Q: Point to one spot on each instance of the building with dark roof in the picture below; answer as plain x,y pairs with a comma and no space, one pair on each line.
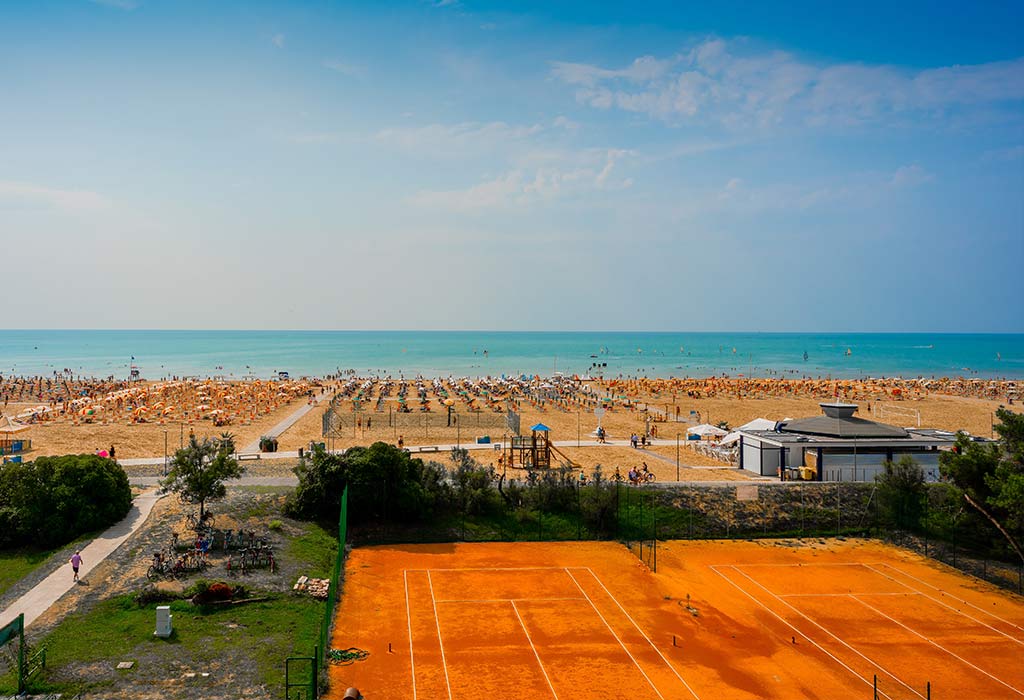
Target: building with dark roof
838,446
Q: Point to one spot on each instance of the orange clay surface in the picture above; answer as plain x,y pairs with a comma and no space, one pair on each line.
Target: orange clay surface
768,619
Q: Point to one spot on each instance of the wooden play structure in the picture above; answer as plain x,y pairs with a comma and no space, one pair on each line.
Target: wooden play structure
533,451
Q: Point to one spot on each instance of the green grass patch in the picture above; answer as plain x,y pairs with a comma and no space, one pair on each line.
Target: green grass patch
16,564
259,635
314,551
257,488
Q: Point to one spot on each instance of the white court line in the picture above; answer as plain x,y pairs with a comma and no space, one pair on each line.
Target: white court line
795,629
642,672
831,634
539,663
837,595
503,600
904,573
642,633
497,568
408,616
437,622
747,566
939,646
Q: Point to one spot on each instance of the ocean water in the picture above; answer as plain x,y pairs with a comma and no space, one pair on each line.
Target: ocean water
159,354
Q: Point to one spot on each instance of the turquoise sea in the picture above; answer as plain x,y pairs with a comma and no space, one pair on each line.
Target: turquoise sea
159,354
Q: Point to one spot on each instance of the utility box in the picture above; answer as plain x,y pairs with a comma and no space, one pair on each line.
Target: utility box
163,622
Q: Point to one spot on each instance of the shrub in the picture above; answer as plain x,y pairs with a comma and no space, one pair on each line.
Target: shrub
53,500
384,483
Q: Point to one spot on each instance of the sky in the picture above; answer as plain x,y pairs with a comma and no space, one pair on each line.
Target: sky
454,164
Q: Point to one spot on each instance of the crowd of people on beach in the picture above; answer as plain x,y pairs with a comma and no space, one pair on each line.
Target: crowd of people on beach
65,399
892,388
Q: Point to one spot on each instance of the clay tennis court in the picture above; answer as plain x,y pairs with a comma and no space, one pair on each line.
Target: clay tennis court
769,619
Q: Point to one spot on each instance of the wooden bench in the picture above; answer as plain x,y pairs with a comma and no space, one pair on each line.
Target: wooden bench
248,456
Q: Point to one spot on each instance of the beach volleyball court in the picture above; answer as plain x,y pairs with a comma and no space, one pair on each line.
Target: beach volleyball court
719,620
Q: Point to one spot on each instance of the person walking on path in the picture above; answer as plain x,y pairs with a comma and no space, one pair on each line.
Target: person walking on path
76,561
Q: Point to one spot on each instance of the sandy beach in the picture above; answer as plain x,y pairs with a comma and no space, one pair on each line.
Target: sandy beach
373,410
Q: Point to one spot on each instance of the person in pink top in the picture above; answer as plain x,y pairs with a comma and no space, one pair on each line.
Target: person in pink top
76,561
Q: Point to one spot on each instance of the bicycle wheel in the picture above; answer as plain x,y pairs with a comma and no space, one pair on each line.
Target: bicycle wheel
152,572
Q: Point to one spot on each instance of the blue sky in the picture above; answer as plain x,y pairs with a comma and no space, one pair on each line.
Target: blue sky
537,166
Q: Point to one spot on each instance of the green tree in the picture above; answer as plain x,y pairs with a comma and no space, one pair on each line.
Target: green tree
902,491
199,469
52,500
384,483
991,476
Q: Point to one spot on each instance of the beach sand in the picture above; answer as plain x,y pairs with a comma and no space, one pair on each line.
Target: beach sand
645,408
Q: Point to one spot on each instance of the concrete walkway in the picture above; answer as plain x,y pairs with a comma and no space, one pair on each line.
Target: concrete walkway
285,424
471,446
50,589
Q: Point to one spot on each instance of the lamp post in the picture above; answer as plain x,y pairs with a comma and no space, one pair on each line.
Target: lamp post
677,456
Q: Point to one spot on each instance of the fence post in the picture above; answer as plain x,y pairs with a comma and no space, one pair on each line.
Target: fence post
839,508
654,540
803,512
579,514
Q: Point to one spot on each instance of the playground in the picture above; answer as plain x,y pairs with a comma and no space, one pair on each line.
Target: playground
767,619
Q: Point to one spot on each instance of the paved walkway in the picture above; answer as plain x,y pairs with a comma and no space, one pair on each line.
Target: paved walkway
286,423
50,589
471,446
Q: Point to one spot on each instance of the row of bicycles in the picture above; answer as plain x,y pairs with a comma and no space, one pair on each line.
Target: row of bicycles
246,550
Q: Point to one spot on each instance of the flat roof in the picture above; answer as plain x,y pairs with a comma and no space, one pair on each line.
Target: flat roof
913,438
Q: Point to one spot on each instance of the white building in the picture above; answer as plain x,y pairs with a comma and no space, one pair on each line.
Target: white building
837,446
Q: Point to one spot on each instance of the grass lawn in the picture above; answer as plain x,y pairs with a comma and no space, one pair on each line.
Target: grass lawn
239,646
83,651
15,564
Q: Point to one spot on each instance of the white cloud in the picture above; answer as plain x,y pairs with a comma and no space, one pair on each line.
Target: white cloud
348,69
277,40
316,137
1007,154
119,4
910,176
465,138
521,187
722,82
857,190
643,69
53,198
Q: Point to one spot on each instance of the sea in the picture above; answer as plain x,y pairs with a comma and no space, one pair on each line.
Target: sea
158,354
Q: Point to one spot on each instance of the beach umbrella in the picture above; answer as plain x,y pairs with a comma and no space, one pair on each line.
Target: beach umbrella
10,427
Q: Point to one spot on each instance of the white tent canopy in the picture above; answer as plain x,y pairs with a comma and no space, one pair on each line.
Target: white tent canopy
705,430
758,424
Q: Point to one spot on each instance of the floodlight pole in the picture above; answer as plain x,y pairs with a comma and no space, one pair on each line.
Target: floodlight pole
677,456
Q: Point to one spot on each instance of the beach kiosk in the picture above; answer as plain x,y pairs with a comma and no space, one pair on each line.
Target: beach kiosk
11,444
